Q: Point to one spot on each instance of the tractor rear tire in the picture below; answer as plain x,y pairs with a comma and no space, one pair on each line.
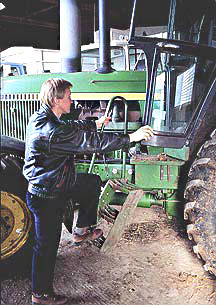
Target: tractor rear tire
16,219
200,209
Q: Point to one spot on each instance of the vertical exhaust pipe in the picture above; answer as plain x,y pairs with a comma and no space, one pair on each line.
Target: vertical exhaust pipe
70,36
104,38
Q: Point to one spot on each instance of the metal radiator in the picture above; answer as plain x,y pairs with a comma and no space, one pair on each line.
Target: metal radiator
15,112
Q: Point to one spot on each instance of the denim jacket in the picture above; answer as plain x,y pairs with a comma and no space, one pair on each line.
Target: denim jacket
50,147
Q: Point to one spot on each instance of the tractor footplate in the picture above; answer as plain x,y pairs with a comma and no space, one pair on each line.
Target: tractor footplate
122,185
108,213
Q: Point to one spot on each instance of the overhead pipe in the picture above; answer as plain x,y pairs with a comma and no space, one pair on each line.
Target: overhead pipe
70,36
104,38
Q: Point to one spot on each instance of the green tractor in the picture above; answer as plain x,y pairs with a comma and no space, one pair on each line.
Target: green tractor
174,92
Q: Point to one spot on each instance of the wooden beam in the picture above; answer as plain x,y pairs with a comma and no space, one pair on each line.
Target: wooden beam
122,221
28,21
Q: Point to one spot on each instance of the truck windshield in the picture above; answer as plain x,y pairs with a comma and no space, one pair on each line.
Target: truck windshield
123,58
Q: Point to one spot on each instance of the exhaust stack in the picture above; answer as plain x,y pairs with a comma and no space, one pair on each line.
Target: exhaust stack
70,36
104,38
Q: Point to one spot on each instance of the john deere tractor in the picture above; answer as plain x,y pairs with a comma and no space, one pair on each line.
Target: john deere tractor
174,91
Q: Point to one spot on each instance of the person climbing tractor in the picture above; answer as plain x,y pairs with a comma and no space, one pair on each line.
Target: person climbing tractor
50,171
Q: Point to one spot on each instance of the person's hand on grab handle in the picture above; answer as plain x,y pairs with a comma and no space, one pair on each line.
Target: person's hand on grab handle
103,120
143,133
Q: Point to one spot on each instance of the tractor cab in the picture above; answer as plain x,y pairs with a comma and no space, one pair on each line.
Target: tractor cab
180,71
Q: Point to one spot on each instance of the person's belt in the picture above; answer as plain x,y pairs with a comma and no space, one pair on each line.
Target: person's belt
38,191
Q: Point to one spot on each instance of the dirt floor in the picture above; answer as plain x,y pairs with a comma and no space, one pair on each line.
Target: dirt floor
153,264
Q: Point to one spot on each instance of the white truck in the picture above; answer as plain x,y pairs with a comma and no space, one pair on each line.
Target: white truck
29,60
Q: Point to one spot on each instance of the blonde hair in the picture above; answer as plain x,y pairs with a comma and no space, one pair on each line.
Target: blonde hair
52,88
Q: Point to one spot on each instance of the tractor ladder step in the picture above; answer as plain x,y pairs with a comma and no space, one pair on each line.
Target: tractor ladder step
122,185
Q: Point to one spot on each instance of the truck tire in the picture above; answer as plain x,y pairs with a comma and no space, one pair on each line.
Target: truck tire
16,219
200,209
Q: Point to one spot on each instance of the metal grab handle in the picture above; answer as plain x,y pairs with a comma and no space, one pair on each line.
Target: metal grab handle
125,132
109,107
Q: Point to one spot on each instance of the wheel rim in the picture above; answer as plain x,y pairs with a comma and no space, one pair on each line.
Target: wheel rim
15,224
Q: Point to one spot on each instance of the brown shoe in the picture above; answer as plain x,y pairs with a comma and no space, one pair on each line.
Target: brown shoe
91,234
46,299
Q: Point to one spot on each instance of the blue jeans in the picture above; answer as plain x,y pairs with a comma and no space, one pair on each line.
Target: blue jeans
48,215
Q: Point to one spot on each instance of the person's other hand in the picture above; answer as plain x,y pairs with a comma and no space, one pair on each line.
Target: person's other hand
103,120
143,133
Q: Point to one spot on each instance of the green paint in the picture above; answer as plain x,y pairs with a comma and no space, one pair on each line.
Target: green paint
181,153
165,199
155,150
106,171
85,82
152,174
